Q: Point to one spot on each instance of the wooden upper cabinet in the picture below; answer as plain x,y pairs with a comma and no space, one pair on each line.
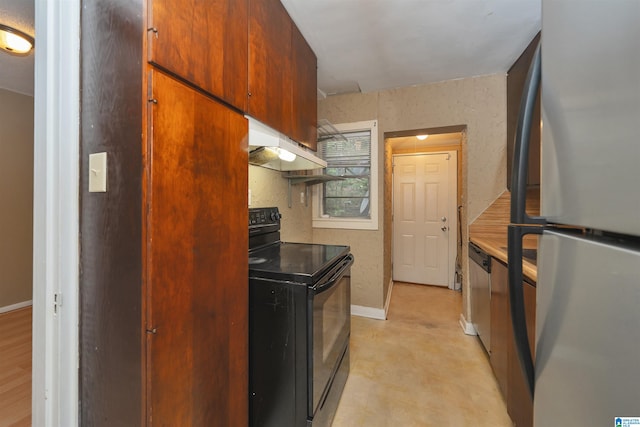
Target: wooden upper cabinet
305,84
203,42
516,78
197,262
270,99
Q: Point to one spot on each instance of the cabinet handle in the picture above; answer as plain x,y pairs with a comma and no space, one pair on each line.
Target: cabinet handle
521,148
154,30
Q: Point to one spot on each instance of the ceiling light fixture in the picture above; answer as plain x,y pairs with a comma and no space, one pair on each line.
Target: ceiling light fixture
15,41
422,137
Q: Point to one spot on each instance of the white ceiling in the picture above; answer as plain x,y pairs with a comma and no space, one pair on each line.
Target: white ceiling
368,45
16,72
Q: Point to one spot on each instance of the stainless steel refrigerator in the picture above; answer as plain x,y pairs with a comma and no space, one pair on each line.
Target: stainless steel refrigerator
587,367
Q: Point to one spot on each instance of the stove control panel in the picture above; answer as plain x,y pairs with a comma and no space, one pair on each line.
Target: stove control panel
264,216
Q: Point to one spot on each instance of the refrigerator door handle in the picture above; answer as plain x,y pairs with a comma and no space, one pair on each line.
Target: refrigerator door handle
516,299
521,148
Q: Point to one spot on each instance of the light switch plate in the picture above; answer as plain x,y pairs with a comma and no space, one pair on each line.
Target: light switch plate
98,173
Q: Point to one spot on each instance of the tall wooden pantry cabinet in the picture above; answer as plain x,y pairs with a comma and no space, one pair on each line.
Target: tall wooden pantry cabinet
163,333
165,85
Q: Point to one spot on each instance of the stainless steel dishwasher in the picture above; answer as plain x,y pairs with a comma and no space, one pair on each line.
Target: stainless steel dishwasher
480,281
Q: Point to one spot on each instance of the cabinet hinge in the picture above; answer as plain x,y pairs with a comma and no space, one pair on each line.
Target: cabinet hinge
57,302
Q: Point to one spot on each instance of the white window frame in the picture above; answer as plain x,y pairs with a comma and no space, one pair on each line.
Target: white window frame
353,223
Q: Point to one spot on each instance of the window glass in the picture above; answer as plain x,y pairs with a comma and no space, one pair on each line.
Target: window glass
350,159
351,201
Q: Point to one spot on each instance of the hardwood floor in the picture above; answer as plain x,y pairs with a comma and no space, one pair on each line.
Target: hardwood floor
15,368
418,369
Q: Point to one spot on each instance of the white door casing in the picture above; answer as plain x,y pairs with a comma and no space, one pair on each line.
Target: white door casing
56,214
424,218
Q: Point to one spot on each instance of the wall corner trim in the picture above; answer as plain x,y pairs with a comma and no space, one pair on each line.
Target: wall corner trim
467,327
16,306
370,312
388,300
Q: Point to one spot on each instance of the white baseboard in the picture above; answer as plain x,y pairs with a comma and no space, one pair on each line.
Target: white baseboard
370,312
467,327
374,313
16,306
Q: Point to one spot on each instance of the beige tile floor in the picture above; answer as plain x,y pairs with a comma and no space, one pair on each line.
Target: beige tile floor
418,368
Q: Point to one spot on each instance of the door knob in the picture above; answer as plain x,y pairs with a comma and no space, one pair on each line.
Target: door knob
444,219
444,228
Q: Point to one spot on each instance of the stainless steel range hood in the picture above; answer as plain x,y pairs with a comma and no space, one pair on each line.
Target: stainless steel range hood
271,149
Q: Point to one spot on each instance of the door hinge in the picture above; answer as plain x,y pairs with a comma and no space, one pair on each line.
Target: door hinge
57,302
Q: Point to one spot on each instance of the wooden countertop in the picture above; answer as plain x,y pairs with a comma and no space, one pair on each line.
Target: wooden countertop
496,248
489,230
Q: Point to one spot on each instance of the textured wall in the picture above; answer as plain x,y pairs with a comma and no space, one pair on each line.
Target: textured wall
479,103
16,193
269,188
366,245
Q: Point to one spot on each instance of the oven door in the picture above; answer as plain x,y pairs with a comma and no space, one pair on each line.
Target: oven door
330,303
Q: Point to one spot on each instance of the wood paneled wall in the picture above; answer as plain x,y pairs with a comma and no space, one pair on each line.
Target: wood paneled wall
110,223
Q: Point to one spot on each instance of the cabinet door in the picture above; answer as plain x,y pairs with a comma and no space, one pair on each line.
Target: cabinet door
204,42
270,96
305,98
516,78
519,403
501,329
196,259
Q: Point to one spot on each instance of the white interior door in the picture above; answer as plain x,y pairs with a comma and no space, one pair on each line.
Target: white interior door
424,221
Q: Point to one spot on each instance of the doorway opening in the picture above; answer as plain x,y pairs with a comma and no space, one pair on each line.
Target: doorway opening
16,256
424,205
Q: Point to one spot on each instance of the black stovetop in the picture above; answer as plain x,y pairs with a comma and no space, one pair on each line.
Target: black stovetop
269,258
295,262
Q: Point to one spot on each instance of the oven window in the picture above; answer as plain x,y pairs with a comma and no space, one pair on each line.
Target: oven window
335,313
331,326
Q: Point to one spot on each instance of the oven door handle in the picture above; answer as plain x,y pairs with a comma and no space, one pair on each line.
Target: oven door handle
334,275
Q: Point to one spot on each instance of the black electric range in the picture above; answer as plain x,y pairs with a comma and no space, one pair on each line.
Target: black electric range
300,309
